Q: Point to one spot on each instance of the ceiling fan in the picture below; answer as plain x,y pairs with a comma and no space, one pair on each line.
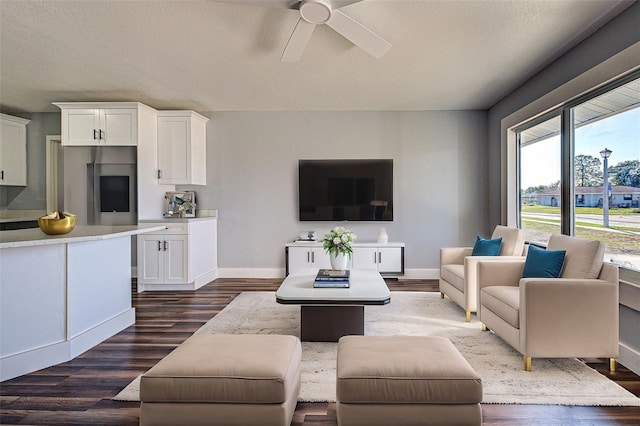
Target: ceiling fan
318,12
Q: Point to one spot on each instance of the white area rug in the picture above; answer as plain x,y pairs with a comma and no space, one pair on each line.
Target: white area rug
553,381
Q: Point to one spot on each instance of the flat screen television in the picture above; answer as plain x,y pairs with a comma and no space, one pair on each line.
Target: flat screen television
356,190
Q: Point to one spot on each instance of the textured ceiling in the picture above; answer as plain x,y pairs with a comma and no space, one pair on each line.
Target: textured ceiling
224,56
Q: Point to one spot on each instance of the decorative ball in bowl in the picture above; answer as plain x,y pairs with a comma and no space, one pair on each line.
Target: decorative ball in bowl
57,223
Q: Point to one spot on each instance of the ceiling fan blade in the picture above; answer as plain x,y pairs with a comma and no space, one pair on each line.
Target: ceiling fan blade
298,41
335,4
279,4
358,34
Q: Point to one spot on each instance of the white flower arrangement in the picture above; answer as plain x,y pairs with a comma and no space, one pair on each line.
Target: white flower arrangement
338,241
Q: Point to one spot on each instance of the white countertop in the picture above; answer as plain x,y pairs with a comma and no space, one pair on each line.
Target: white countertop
35,236
176,219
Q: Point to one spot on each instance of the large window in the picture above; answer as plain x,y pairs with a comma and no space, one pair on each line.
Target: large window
579,169
540,175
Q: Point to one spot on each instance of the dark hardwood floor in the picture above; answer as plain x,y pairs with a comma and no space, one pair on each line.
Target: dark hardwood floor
79,392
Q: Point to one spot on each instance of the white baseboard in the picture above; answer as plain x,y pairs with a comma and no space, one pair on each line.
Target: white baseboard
421,274
33,360
630,358
101,332
38,358
250,272
411,274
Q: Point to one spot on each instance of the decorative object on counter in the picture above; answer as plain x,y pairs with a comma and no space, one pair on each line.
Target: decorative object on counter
180,204
338,244
307,236
383,237
57,223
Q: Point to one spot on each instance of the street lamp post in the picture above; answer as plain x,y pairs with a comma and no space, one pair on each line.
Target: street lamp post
605,154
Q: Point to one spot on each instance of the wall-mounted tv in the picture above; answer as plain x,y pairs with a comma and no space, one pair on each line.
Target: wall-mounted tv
357,190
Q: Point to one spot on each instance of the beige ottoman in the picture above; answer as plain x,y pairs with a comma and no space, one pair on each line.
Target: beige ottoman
217,379
403,380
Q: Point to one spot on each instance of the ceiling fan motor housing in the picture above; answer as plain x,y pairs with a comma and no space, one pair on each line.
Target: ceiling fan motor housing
315,11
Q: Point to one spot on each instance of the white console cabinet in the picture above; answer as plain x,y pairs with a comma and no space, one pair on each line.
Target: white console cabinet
102,123
182,154
306,255
388,259
13,150
181,257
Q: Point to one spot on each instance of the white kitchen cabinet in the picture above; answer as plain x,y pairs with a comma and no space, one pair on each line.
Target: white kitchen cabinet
96,124
182,154
304,257
13,150
386,260
164,259
182,257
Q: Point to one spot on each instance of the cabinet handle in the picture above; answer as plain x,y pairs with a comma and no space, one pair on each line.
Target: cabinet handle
100,134
94,135
2,175
380,257
313,257
159,174
165,246
374,258
159,246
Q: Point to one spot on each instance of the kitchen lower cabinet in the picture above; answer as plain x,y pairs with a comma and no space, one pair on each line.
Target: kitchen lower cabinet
182,257
164,259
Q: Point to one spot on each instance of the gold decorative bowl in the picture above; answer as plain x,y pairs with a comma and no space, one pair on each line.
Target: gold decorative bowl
57,223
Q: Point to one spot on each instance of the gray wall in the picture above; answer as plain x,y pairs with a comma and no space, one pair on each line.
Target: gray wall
440,185
618,34
34,195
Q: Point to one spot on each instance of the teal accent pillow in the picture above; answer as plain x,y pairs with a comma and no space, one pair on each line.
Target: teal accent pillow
484,247
542,263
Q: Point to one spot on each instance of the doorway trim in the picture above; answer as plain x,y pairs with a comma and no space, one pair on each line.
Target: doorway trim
53,143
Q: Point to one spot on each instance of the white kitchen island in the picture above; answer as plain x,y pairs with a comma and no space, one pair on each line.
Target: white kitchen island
61,295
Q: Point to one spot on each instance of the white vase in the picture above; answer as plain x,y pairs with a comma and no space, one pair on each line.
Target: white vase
383,238
338,261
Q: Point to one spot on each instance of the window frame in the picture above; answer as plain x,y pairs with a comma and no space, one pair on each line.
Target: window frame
511,212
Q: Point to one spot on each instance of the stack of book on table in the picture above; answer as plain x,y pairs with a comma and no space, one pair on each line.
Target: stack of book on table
332,278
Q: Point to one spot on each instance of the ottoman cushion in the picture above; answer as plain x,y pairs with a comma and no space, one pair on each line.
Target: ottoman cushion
216,368
404,370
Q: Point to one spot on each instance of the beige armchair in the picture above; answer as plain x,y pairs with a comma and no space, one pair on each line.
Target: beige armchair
575,315
458,267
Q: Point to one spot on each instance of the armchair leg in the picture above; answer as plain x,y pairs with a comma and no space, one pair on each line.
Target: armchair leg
527,363
612,365
441,295
468,316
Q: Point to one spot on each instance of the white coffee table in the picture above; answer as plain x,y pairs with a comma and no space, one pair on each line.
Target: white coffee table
326,314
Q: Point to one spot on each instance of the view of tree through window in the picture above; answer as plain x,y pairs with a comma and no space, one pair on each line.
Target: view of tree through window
605,131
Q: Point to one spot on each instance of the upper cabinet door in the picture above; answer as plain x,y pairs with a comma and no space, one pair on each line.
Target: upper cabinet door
80,127
182,152
119,127
13,150
99,126
174,146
